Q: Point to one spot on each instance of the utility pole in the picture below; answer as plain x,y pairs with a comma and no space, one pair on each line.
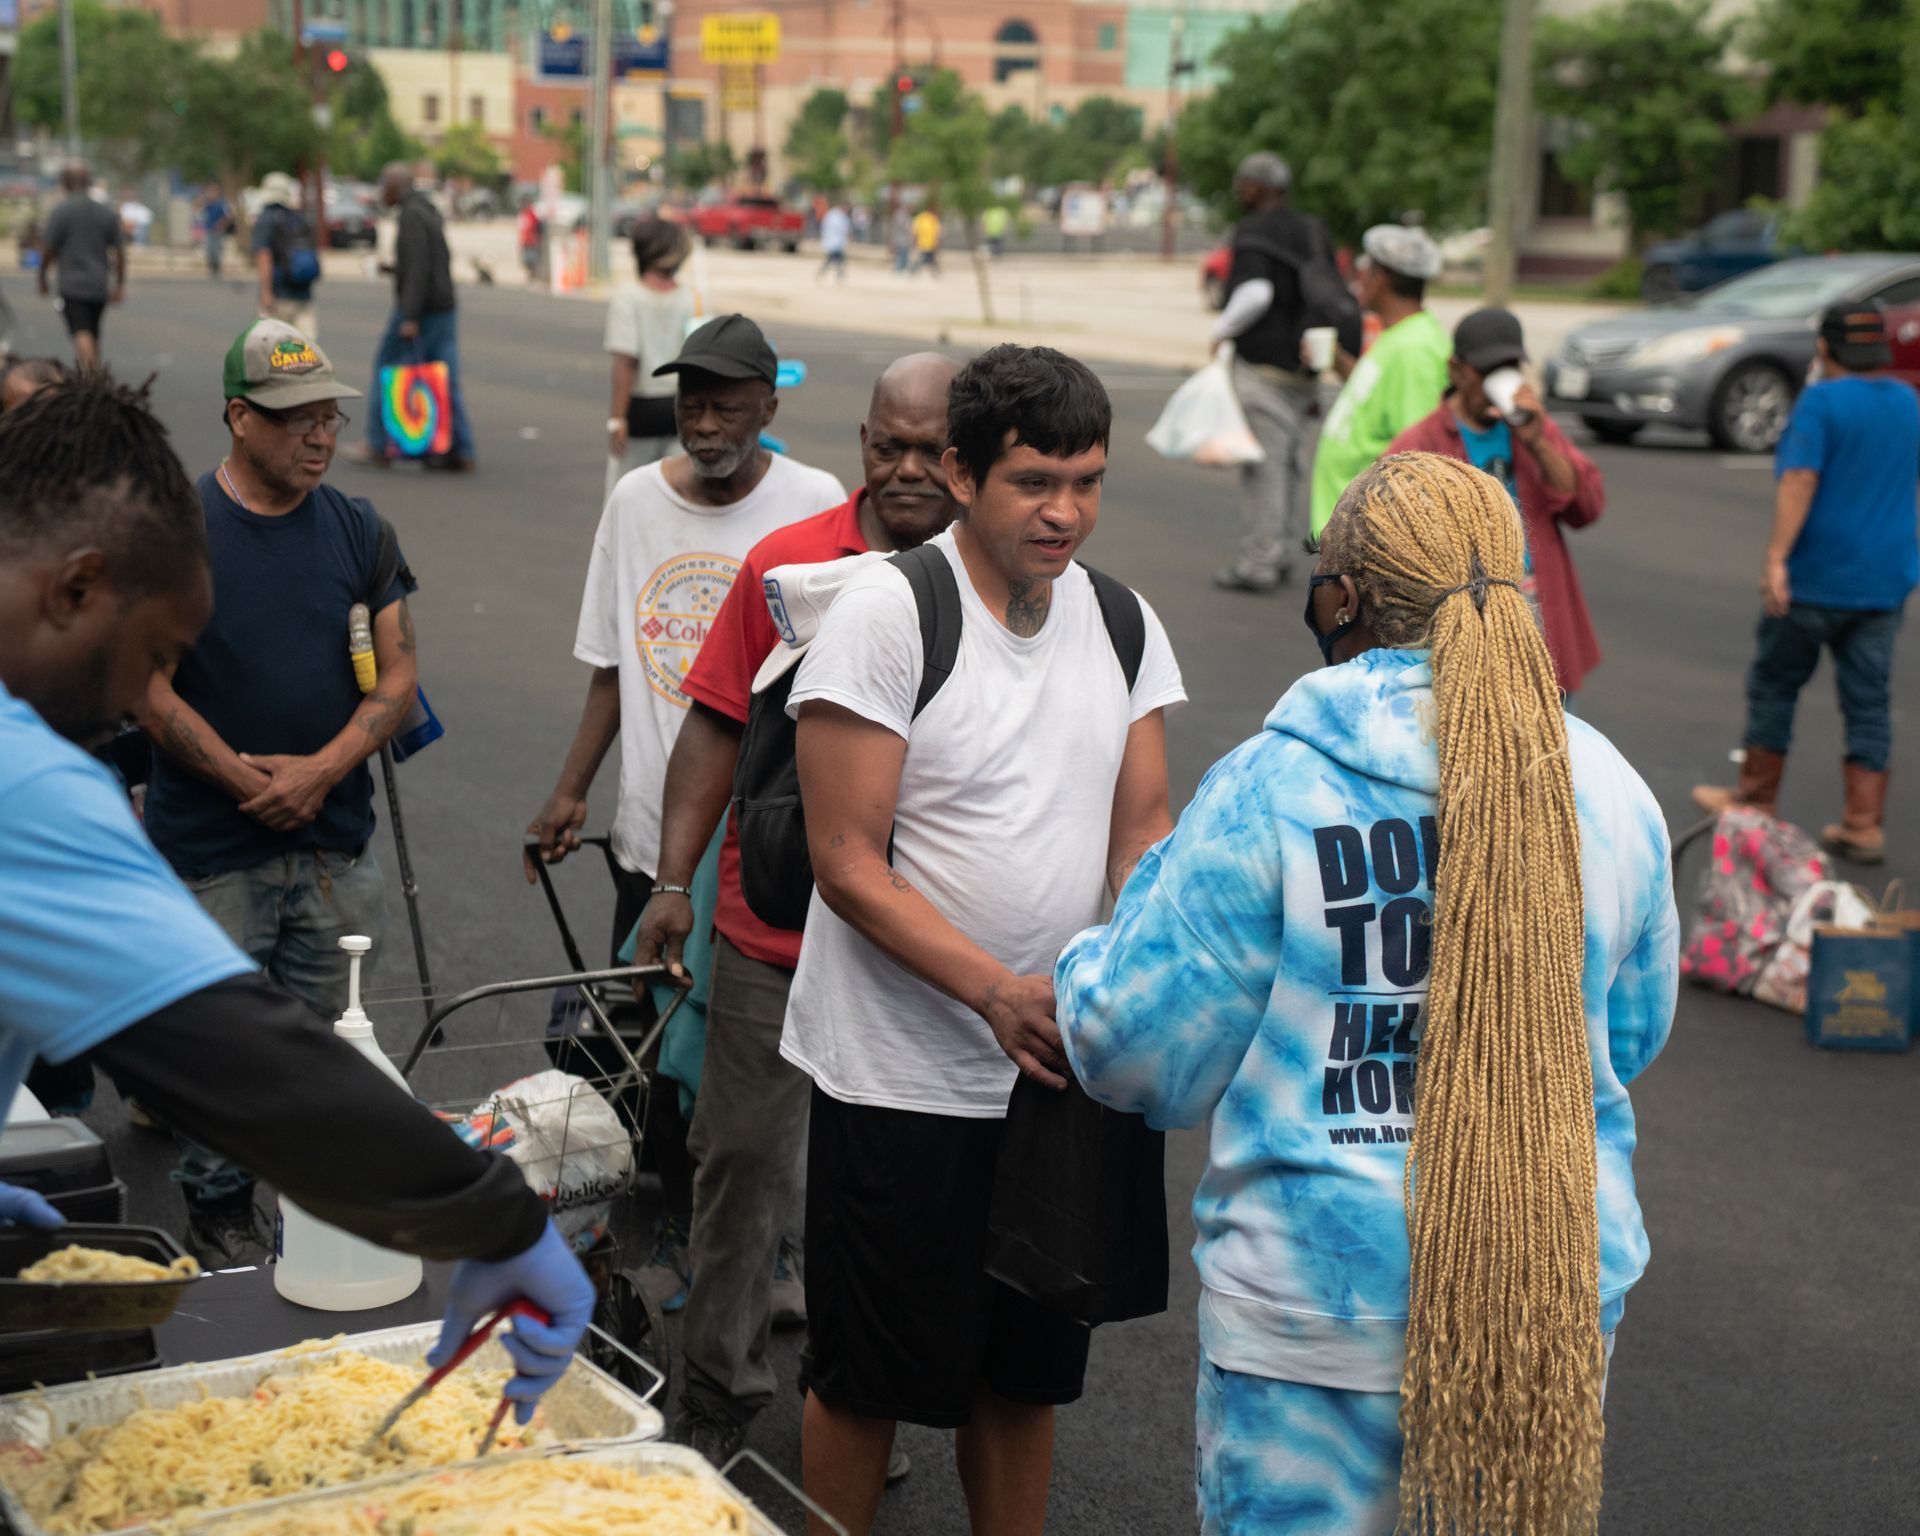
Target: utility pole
70,78
1512,133
1177,66
599,173
899,116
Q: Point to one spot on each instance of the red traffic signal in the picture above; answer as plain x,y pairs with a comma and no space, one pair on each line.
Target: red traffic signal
337,60
904,84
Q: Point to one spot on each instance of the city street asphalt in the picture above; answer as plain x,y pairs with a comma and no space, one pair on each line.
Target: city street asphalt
1764,1378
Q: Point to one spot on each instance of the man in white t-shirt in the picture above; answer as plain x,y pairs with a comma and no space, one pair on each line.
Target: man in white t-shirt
956,848
669,545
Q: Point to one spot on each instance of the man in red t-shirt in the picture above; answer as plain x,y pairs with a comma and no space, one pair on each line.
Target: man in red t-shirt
750,1121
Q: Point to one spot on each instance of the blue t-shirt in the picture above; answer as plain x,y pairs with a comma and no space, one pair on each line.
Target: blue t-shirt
1859,548
280,226
1491,452
95,931
270,673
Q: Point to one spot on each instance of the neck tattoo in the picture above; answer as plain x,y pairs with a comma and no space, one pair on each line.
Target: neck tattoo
1027,605
226,479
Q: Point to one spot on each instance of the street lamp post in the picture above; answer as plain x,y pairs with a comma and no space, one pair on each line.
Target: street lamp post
1177,65
599,172
69,79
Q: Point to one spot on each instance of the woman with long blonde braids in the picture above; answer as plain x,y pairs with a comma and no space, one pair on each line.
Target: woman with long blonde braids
1410,1282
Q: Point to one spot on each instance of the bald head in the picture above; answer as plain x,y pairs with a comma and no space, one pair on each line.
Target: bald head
901,443
917,378
75,176
396,180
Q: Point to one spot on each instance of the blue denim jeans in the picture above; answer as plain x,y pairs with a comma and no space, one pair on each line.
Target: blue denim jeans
289,915
438,342
1787,653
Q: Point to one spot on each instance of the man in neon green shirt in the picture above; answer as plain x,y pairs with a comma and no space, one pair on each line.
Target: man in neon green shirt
1400,378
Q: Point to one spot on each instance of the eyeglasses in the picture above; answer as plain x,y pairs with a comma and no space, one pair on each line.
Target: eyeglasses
330,425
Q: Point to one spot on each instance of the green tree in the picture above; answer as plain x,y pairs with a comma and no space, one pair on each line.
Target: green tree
701,165
1842,54
1012,138
245,115
132,80
944,146
365,138
569,139
1868,195
1097,134
1646,85
467,154
817,147
1378,106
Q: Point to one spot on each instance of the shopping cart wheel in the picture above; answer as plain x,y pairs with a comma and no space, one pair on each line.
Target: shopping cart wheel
635,1319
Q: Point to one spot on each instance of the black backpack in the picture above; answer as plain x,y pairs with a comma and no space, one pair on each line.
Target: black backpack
776,870
1325,298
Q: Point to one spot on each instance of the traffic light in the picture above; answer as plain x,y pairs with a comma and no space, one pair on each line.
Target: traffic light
904,84
337,60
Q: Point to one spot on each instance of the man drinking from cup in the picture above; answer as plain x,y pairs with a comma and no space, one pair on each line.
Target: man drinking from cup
1491,418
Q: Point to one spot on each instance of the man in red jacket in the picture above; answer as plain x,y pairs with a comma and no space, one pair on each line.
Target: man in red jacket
1551,481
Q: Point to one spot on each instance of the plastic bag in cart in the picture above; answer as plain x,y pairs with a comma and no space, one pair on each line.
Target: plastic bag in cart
568,1142
1203,421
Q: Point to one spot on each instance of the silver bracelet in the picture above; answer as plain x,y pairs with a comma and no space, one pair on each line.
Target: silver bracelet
674,890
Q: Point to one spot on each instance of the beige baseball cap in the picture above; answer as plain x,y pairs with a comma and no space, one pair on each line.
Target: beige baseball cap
279,187
798,597
273,365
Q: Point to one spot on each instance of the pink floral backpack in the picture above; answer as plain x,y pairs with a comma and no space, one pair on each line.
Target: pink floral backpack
1758,870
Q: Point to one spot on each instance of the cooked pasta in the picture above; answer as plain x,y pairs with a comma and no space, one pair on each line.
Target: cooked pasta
540,1498
75,1263
304,1426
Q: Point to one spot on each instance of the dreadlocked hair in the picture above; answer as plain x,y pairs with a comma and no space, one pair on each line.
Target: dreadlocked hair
1500,1400
86,463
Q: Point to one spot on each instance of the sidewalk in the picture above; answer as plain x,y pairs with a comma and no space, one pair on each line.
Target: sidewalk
1118,308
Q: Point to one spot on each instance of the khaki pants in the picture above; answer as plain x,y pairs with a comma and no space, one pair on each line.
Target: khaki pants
298,313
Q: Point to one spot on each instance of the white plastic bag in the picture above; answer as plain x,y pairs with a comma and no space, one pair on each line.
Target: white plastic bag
568,1142
1782,981
1203,422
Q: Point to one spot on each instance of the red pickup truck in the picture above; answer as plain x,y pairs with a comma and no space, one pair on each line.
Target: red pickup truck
747,222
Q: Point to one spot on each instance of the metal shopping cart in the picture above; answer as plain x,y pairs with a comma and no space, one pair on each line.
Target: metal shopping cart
612,1034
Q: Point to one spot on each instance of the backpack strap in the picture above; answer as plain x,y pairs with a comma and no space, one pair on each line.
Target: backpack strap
937,597
1126,623
387,564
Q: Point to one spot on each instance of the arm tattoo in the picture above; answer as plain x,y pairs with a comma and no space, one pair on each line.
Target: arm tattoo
178,741
379,716
838,840
897,880
406,629
1027,605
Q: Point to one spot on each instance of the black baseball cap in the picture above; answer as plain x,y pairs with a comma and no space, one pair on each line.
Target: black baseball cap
1488,339
1856,334
729,346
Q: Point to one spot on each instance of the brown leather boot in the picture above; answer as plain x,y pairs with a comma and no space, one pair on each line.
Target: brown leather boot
1858,836
1759,784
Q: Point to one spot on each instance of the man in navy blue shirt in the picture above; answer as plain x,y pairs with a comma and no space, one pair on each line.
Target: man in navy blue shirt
103,578
1843,557
260,797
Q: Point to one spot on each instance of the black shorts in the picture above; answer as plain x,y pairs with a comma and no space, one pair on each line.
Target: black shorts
82,315
903,1320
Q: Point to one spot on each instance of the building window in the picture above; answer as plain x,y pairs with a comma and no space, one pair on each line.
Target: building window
476,109
1018,48
537,120
1109,37
430,108
1561,197
577,117
1758,170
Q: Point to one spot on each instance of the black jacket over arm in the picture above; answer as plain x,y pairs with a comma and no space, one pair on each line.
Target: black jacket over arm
422,269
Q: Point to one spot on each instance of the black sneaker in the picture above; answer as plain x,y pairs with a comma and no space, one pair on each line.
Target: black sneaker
708,1433
228,1234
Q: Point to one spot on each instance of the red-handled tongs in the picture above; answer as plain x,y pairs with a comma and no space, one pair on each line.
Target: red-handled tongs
479,1336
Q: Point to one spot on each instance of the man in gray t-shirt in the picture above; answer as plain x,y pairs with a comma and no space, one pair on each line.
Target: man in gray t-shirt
85,241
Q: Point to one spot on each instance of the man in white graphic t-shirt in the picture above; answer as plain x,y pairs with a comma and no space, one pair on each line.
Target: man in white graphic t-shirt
668,548
958,842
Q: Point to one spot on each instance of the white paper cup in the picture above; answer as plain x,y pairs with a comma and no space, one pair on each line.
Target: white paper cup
1317,342
1503,385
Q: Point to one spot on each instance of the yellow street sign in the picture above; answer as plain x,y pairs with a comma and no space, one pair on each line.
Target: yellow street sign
740,37
739,88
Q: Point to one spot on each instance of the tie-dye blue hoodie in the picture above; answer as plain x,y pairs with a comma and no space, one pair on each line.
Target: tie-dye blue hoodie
1267,964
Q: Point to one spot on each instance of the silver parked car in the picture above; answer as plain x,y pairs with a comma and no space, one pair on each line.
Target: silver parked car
1731,360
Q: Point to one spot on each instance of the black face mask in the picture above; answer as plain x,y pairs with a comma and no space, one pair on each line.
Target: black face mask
1339,632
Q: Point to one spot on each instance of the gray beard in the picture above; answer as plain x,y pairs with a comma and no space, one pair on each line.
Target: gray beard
722,469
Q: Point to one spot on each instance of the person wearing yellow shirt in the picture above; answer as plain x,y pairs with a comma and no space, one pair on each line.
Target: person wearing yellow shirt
926,241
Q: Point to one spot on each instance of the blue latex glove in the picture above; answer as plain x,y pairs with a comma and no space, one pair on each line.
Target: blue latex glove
23,1208
550,1277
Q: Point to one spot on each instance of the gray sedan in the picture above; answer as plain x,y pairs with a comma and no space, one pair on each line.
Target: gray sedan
1729,361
